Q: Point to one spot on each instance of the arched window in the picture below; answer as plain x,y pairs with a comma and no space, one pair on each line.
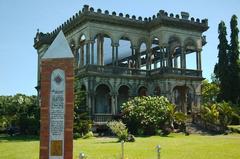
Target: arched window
103,100
125,53
123,96
102,49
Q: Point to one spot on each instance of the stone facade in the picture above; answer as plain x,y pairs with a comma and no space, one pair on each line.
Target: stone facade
155,63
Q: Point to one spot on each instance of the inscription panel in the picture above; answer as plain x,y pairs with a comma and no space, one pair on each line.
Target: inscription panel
57,114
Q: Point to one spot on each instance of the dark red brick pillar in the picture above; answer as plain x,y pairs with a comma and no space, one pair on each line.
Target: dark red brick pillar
47,67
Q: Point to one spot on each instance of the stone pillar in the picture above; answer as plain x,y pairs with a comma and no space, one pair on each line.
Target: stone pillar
87,53
98,50
183,58
198,60
82,55
116,103
148,59
92,52
133,58
167,53
94,103
76,56
154,58
89,100
113,104
170,57
102,50
138,60
57,98
161,57
116,51
175,62
113,55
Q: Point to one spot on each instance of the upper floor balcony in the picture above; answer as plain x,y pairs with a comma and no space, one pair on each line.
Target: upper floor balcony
130,72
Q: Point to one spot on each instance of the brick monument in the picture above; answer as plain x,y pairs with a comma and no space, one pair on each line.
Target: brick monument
56,100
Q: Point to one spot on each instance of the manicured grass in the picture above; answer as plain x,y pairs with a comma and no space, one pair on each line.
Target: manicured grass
176,146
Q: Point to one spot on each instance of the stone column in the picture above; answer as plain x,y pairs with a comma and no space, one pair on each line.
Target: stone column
138,56
76,56
113,106
102,50
116,103
100,56
166,56
175,62
133,58
92,52
94,103
183,58
198,60
87,52
113,55
161,57
170,64
154,57
82,55
116,51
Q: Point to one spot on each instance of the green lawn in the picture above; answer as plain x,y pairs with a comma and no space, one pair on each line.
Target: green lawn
176,146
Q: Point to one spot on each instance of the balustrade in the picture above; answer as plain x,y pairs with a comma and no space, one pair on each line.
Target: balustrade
110,70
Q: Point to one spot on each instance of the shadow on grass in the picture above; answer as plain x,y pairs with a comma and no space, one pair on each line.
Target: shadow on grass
108,142
148,136
8,138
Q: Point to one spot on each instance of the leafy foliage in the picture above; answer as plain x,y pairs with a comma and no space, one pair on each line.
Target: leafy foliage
82,123
218,114
146,115
120,129
209,92
20,113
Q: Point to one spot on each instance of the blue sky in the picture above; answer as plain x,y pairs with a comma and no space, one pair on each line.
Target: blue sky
19,21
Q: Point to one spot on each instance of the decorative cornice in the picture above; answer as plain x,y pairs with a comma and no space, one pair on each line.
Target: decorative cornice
88,14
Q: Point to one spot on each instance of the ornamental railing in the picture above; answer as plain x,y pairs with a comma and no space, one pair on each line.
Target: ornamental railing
102,118
176,71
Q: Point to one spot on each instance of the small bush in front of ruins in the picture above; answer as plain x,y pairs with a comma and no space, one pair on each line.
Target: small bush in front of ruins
120,130
146,115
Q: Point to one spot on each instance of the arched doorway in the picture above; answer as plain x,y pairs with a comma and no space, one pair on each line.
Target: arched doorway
157,91
103,100
123,96
142,91
183,98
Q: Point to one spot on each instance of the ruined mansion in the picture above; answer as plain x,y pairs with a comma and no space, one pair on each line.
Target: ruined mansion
118,56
